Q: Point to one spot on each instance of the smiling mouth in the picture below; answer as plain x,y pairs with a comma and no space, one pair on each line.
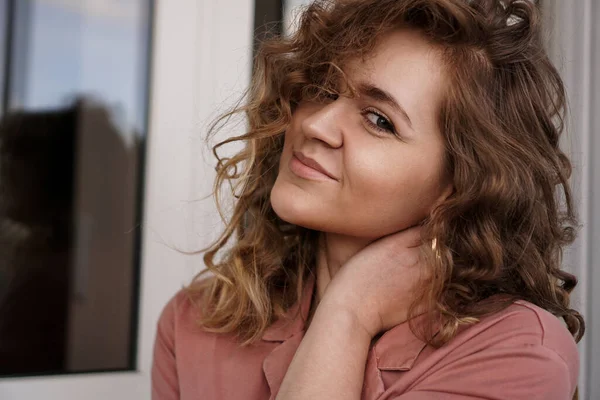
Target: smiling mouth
304,168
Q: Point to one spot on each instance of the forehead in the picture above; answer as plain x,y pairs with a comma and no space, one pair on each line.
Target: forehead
407,66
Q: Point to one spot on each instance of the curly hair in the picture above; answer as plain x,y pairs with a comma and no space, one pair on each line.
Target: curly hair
499,235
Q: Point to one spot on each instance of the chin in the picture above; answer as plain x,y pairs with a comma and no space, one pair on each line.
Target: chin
296,208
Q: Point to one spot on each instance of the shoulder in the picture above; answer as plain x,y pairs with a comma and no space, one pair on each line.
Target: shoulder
524,343
549,329
525,324
522,324
182,310
521,352
178,346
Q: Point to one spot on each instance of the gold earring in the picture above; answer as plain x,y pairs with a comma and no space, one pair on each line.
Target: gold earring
435,249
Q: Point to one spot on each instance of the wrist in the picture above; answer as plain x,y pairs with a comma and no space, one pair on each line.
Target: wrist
337,314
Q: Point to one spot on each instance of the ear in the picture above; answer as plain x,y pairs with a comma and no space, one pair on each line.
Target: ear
446,192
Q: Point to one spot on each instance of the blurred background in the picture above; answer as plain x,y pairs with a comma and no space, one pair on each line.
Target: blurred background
104,174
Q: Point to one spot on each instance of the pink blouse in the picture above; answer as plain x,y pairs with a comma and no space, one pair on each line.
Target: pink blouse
522,352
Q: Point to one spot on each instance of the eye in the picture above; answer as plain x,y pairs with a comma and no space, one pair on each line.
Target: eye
378,121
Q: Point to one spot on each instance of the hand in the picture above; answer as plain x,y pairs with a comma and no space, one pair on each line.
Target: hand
377,284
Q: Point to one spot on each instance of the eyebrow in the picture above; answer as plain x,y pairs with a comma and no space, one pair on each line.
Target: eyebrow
369,90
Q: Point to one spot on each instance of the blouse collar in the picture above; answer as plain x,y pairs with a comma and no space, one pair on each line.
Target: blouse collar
397,349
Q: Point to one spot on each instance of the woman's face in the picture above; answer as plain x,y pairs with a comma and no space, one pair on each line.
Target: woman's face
380,153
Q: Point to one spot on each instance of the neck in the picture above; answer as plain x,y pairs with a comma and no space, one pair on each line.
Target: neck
334,251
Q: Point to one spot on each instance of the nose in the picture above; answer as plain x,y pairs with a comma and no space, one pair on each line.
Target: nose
324,124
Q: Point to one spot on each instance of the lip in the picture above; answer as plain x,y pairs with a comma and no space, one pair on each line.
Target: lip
307,167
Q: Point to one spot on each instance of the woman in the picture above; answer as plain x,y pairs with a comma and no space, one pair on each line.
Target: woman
395,232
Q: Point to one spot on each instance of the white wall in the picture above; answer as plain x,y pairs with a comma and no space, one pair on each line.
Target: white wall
290,11
202,64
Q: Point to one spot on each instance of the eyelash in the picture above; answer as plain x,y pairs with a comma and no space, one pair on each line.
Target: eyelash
365,112
368,111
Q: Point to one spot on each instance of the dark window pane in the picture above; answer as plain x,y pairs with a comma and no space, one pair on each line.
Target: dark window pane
70,173
267,19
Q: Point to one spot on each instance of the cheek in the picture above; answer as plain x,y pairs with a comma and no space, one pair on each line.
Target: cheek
394,187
